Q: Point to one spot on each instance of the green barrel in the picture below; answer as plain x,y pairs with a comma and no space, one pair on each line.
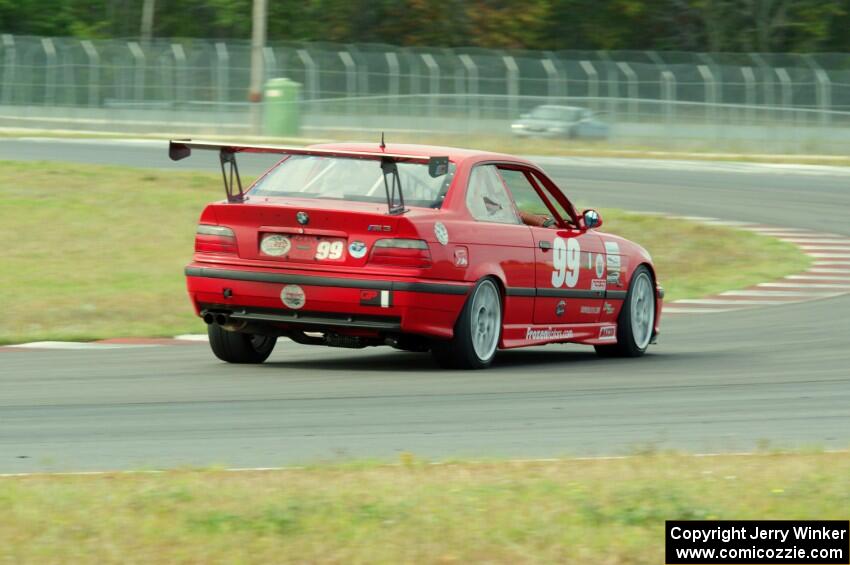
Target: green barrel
281,109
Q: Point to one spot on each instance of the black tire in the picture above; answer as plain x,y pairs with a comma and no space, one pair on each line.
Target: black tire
234,347
626,345
460,351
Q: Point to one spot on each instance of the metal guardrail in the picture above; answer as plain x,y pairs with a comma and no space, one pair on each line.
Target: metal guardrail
193,84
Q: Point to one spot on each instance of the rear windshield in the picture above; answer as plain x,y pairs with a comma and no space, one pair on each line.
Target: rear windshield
359,180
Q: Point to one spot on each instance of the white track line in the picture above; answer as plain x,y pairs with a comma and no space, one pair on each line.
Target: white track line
394,464
828,271
673,309
776,293
830,255
192,337
721,302
68,345
804,285
816,277
815,241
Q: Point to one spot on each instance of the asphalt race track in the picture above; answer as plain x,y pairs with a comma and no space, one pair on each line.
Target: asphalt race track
736,381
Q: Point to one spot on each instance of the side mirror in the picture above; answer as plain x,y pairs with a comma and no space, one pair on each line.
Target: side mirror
592,219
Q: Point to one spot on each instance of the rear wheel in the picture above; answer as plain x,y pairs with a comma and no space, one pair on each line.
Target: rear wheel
477,331
637,319
236,347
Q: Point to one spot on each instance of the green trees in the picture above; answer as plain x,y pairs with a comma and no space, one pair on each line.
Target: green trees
704,25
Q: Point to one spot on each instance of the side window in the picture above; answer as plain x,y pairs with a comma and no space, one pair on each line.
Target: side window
558,208
487,198
526,198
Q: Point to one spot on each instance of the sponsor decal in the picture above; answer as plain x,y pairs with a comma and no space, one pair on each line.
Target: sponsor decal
357,249
612,260
275,245
600,265
561,308
598,284
607,332
461,257
566,259
609,309
441,233
382,298
590,309
293,296
378,227
547,334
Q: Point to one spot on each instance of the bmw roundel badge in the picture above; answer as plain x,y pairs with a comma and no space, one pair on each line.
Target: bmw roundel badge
302,218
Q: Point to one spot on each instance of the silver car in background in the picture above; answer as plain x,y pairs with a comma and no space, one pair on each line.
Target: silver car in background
571,122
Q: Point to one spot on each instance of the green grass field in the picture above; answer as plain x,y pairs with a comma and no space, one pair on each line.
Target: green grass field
568,511
94,252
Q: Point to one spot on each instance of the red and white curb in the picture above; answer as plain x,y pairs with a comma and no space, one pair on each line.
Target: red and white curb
828,276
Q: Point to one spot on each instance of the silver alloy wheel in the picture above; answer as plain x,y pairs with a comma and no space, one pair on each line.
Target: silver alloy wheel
485,320
642,310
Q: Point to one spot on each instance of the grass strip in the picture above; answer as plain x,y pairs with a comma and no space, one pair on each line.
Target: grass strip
566,511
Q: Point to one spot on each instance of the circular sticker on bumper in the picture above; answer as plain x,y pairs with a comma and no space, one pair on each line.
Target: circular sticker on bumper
293,296
357,249
275,245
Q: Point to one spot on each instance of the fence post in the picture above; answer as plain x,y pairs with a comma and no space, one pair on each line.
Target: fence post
49,71
459,80
434,82
710,94
350,79
472,88
785,86
824,89
309,72
394,80
552,79
139,68
592,80
94,71
222,75
180,68
749,92
10,55
613,86
768,79
270,64
512,77
632,88
668,88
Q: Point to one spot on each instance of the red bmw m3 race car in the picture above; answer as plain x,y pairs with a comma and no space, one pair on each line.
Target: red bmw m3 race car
421,248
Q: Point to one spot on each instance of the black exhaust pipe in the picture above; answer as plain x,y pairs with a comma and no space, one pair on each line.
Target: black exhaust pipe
208,318
221,319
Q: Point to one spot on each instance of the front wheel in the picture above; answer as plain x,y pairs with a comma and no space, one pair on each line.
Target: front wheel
637,318
234,347
477,331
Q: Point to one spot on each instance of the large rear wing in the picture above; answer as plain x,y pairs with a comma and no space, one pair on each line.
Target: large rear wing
179,149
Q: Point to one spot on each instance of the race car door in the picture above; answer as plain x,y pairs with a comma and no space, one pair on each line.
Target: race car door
569,261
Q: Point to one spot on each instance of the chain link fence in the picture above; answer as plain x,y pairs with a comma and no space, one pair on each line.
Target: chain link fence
767,101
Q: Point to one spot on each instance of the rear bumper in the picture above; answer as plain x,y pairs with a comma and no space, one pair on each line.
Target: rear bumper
336,302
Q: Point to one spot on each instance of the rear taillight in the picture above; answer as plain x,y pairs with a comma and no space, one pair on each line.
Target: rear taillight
214,239
401,253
